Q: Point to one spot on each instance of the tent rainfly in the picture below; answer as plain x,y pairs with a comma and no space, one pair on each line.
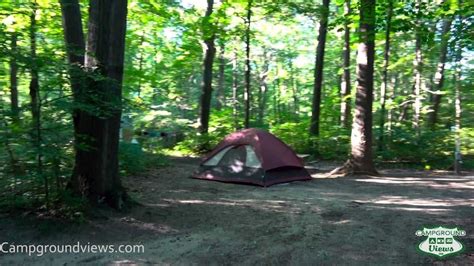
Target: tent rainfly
252,156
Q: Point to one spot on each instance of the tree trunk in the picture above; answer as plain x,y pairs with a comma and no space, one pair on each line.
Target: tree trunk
346,75
34,83
394,85
457,92
361,138
247,93
417,64
220,93
35,102
294,90
75,48
383,88
206,93
15,111
96,173
262,93
140,65
318,70
235,102
439,76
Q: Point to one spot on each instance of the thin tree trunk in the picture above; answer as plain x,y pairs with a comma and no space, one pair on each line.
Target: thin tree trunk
318,70
391,94
96,174
206,93
15,111
457,87
294,91
418,65
277,98
458,110
262,93
439,76
35,102
346,75
220,94
247,93
140,65
235,102
34,83
383,88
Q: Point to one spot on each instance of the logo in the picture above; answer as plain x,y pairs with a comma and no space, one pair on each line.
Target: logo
440,241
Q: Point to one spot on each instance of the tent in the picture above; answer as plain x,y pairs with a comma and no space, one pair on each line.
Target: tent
252,156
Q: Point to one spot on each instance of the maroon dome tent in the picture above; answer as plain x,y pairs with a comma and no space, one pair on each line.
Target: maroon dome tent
252,156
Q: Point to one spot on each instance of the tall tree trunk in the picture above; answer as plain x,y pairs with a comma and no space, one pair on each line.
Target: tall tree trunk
75,48
262,92
15,111
35,102
206,93
318,70
294,90
220,93
457,91
96,173
418,65
235,102
361,138
34,83
247,93
439,76
391,95
346,74
140,64
383,88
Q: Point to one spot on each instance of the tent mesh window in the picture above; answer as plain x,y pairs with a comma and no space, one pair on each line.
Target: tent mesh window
236,158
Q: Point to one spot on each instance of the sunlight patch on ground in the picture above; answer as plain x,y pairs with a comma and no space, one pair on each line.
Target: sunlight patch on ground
465,182
266,205
423,210
420,202
157,228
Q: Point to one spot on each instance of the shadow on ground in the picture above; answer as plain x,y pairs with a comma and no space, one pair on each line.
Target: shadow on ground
354,220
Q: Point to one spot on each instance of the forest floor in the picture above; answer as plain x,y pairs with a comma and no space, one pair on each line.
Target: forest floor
360,220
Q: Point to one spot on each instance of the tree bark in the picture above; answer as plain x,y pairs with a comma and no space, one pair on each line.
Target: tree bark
318,70
15,111
294,90
247,93
418,65
346,75
220,93
391,94
35,103
235,102
361,137
206,93
439,76
383,88
96,173
262,92
75,48
140,64
34,83
457,91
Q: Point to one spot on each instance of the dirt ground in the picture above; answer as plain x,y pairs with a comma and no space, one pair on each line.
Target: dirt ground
327,221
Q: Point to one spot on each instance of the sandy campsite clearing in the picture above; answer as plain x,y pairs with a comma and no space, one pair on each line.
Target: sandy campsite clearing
353,220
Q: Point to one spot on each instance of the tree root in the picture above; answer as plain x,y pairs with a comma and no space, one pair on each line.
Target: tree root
350,169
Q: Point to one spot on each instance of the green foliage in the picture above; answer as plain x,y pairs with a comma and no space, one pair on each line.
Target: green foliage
163,74
133,160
